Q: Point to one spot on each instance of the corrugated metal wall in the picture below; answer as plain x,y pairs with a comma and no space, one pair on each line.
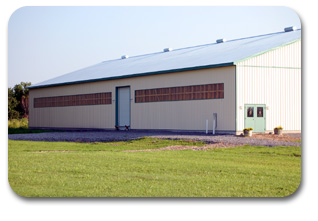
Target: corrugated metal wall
286,56
177,115
274,79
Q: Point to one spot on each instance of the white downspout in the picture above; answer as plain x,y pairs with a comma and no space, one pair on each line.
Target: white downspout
206,126
214,124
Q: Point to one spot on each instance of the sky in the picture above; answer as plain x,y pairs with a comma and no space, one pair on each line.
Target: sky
46,42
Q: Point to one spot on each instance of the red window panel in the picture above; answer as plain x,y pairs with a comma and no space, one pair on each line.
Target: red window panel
217,94
74,100
203,95
202,88
194,92
214,88
60,101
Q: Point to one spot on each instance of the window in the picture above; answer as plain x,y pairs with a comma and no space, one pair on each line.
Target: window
195,92
259,111
250,112
74,100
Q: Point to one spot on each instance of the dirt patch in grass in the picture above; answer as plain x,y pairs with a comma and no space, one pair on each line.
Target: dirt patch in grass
276,137
53,151
195,148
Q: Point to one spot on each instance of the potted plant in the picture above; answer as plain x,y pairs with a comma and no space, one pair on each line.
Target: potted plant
278,130
248,132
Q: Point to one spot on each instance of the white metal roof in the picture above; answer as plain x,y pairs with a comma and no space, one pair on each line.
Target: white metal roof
196,57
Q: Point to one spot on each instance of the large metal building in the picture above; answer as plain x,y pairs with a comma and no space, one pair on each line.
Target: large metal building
248,82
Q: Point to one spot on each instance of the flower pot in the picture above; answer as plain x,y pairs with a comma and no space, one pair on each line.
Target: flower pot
248,133
278,131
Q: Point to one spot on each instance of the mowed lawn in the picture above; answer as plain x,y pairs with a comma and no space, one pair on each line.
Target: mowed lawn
67,169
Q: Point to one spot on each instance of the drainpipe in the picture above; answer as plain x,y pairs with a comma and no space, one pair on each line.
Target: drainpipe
206,126
214,122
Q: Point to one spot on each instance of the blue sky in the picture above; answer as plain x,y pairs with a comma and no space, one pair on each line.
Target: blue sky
46,42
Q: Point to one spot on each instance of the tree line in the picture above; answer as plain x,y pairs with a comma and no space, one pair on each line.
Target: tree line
18,101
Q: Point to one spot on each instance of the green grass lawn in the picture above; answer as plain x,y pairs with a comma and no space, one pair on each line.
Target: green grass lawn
104,170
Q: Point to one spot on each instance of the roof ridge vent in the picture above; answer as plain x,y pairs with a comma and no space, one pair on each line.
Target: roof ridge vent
221,40
124,57
291,28
167,49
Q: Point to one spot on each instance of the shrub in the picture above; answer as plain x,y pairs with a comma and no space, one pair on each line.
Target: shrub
18,123
278,128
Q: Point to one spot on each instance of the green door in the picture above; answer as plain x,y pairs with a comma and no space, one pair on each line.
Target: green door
255,117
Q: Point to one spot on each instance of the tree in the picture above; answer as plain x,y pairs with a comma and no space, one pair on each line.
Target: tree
25,105
18,101
12,104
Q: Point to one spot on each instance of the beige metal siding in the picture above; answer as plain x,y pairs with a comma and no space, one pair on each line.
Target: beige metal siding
91,116
177,115
274,79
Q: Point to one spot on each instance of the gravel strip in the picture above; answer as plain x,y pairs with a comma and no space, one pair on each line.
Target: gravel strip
195,148
234,140
108,136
